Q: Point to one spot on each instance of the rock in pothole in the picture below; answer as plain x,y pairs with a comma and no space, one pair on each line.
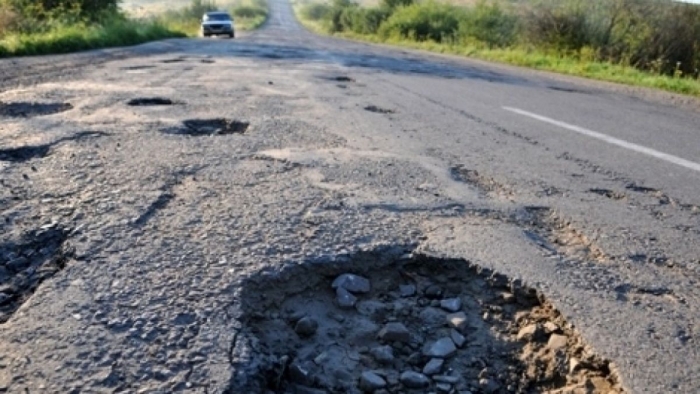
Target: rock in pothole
149,101
210,127
29,109
384,345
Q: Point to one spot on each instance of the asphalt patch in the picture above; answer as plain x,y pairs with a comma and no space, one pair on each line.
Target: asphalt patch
25,263
210,127
405,324
378,110
150,101
31,109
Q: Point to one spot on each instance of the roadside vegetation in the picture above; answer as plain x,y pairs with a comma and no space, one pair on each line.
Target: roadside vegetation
247,14
34,27
37,27
651,43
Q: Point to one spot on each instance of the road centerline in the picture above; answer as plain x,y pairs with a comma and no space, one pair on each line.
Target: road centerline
610,140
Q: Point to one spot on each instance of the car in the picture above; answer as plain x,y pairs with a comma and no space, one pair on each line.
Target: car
218,23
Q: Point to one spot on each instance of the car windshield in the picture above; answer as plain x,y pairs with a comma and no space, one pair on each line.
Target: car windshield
217,17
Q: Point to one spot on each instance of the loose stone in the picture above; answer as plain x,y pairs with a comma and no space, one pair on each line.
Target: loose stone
457,338
407,290
370,382
433,366
344,298
395,332
306,327
528,333
442,348
383,354
414,380
457,320
433,292
556,342
451,304
352,283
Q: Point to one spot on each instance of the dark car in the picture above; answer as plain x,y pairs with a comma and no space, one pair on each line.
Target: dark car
217,23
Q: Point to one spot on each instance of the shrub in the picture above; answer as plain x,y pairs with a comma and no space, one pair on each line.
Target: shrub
316,11
490,24
249,11
423,22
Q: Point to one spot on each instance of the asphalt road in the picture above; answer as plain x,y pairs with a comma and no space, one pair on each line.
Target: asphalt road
587,191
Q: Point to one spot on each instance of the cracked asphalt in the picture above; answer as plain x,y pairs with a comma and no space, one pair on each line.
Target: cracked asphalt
155,223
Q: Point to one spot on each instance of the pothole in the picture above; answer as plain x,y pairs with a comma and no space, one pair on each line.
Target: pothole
25,264
138,67
641,189
174,60
149,101
484,183
24,153
204,127
342,78
411,324
611,194
30,109
379,110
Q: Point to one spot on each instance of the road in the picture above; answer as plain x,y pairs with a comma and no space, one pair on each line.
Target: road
130,250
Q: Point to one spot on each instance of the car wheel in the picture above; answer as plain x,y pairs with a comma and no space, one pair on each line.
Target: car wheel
231,35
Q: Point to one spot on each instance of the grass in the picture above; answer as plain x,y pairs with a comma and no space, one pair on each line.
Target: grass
64,39
123,31
534,58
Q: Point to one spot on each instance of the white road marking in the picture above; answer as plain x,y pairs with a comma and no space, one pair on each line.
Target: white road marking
611,140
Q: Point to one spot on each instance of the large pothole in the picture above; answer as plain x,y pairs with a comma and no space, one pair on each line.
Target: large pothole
27,110
26,263
411,324
207,127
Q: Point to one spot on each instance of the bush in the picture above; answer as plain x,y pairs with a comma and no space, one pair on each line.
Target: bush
316,11
249,11
423,22
490,24
48,9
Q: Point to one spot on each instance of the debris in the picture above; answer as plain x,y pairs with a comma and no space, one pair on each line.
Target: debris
414,380
395,332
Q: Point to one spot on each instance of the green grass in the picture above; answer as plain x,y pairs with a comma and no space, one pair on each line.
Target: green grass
527,57
64,39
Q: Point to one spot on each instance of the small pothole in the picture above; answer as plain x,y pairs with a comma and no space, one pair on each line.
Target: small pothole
342,78
406,324
205,127
174,60
24,153
31,109
611,194
149,101
26,263
379,110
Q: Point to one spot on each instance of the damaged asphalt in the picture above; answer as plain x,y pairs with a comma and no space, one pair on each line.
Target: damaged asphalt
165,209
